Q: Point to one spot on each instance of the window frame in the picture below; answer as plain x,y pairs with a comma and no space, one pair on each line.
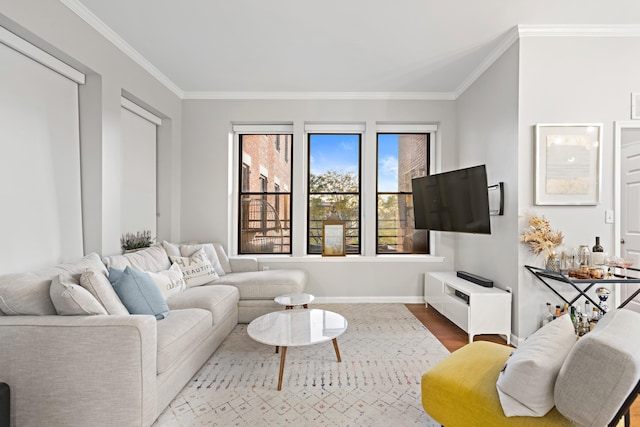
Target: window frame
428,162
333,130
239,132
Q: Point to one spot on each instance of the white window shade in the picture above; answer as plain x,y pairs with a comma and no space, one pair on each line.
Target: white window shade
406,128
41,215
334,128
266,129
139,175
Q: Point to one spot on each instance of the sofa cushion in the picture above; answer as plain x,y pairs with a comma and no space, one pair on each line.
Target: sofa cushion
526,382
222,256
266,284
197,269
138,293
28,293
178,333
606,363
209,250
217,299
99,286
71,299
154,259
170,282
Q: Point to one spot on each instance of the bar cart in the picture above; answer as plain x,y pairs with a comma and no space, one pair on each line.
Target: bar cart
552,279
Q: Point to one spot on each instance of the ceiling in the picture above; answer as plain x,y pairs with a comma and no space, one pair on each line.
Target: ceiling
330,46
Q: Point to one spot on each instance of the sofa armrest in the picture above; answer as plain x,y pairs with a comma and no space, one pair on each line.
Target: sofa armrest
243,264
80,370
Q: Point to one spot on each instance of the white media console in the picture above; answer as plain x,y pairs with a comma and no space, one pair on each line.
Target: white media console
473,308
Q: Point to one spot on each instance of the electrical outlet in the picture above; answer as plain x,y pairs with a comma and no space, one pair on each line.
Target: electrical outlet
608,217
508,289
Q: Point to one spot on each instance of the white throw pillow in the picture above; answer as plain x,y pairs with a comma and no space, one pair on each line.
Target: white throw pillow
99,286
197,268
170,282
526,383
209,250
71,299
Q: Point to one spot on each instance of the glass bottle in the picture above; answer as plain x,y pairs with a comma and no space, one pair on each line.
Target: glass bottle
547,315
587,308
584,255
597,247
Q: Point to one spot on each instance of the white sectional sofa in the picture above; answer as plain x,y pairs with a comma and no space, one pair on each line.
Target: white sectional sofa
119,369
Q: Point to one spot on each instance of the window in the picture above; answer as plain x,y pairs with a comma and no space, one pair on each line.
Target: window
333,187
264,197
401,157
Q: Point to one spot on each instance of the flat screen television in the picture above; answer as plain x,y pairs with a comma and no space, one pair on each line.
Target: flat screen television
453,201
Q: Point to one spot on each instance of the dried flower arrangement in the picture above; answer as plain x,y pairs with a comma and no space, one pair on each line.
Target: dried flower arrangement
540,237
139,240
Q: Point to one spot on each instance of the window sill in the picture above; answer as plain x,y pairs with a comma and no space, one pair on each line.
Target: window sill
351,258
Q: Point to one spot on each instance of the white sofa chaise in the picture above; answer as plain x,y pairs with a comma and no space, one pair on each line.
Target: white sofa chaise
115,369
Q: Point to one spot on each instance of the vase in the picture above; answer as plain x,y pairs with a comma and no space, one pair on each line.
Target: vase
552,263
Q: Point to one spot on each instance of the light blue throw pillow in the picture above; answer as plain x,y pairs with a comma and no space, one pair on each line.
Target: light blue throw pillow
138,292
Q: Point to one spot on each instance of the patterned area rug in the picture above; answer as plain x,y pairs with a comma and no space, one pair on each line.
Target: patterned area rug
385,351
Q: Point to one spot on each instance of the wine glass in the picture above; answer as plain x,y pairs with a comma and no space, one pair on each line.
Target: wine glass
612,262
625,263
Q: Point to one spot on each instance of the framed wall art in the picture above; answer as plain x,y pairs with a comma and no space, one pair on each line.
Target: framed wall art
568,163
333,238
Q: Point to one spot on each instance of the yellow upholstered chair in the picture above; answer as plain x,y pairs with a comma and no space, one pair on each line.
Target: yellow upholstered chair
461,390
597,382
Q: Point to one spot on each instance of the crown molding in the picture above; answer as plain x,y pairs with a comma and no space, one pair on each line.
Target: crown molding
513,35
522,31
579,30
102,28
404,96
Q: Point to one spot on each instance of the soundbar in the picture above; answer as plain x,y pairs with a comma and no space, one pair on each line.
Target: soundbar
475,279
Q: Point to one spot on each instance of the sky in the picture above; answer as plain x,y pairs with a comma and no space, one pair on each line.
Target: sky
341,153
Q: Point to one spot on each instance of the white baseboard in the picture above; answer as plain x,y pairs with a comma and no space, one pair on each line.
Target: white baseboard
360,300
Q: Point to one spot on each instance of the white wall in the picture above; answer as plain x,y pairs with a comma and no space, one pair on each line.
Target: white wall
487,133
110,74
570,80
207,187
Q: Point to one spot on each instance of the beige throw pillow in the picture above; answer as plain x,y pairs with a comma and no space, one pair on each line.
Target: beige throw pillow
99,286
197,268
71,299
170,282
209,250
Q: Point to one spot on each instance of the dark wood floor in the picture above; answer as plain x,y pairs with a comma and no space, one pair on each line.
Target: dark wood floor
453,338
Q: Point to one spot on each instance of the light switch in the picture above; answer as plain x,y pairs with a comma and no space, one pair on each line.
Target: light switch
608,217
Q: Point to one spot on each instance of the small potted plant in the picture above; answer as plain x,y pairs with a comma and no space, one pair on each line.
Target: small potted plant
130,242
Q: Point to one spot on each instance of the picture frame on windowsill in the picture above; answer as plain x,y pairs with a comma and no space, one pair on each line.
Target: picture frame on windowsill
333,238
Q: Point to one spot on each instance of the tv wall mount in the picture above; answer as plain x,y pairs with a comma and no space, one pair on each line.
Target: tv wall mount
496,199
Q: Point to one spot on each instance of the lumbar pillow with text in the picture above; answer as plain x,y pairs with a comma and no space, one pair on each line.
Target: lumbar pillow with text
209,250
138,292
197,268
71,299
170,282
526,383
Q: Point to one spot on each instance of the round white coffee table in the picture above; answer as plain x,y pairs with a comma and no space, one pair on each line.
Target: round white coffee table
292,300
295,328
